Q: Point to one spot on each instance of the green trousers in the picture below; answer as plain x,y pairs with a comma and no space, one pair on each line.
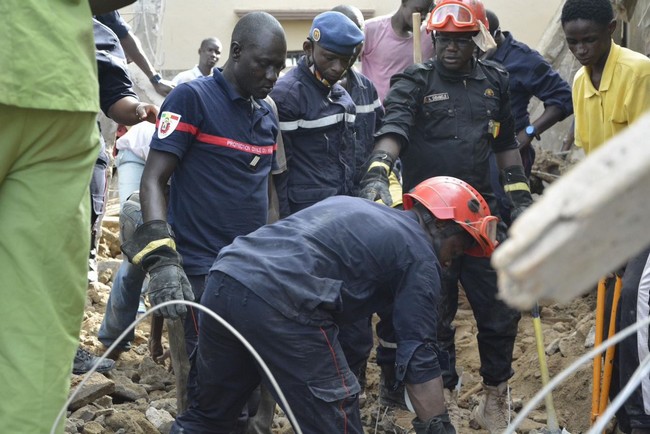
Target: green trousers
46,159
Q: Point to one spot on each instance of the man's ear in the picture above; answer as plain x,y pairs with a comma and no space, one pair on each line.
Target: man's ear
611,27
308,47
235,50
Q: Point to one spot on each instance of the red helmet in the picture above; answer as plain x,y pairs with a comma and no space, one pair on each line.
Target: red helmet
457,16
450,198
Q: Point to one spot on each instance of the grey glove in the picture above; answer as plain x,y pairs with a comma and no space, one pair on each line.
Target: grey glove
435,425
375,184
152,247
167,283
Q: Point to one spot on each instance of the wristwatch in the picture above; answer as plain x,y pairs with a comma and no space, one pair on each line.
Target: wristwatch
155,79
531,131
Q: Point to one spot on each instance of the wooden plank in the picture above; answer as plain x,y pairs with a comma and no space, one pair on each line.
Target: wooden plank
587,224
180,361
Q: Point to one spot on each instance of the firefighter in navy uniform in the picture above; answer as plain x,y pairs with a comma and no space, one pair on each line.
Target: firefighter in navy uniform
288,286
443,118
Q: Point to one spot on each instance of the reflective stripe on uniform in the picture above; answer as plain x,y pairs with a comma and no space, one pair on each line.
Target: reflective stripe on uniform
369,108
317,123
516,186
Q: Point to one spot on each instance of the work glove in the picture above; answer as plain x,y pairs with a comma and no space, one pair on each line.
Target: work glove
375,184
153,248
518,190
435,425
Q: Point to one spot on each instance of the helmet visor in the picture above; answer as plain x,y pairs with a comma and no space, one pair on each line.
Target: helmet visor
484,232
459,14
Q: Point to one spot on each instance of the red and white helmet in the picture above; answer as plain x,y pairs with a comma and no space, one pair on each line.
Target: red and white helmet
450,198
457,16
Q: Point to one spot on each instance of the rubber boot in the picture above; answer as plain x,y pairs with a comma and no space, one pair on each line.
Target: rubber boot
436,425
493,412
391,393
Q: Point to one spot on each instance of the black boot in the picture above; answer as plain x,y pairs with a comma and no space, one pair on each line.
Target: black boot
436,425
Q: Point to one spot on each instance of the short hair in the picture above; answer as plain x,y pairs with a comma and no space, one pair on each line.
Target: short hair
493,21
206,41
599,11
255,26
352,12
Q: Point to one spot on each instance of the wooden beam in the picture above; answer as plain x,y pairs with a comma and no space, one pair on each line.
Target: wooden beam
586,225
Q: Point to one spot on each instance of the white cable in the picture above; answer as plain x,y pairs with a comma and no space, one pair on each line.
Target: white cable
639,374
539,396
223,322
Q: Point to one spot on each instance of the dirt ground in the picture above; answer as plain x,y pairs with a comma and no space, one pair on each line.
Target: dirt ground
566,330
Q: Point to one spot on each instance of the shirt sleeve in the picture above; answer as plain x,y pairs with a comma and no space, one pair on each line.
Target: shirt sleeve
547,85
114,80
179,122
415,315
402,103
115,22
505,140
637,100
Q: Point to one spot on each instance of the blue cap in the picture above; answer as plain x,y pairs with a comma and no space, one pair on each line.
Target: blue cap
336,33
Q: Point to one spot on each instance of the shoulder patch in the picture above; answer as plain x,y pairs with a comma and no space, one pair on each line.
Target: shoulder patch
167,124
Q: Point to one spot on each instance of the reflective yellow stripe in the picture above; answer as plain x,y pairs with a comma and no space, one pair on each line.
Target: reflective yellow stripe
516,186
379,164
169,242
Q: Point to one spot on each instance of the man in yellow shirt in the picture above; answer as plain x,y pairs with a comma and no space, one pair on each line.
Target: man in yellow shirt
612,89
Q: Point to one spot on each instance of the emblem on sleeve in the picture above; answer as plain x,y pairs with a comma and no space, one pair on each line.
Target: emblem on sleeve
168,123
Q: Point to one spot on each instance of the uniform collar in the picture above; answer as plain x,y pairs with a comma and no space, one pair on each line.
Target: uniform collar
501,51
336,90
233,95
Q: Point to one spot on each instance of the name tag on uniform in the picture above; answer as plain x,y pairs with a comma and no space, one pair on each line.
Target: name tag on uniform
434,97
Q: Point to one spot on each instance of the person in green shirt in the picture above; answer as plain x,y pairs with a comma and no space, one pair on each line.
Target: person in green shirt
49,100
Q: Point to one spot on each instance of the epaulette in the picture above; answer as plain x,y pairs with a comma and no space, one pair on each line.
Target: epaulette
492,64
426,66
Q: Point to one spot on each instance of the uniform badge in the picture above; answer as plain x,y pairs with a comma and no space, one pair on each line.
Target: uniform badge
168,123
488,92
436,97
316,34
494,128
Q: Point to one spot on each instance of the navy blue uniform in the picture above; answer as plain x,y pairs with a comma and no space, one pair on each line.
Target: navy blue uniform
317,124
369,114
287,286
114,84
219,189
225,144
115,22
449,124
531,76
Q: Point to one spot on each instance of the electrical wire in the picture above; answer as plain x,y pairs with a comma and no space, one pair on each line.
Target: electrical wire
223,322
539,396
